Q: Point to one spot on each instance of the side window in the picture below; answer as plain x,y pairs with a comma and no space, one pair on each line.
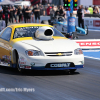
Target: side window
6,34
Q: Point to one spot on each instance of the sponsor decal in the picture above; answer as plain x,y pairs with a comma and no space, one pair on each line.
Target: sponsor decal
72,23
27,67
60,65
96,23
4,63
72,20
89,43
22,61
32,64
88,22
5,60
3,56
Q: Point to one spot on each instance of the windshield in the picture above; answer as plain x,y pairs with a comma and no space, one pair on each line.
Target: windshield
30,31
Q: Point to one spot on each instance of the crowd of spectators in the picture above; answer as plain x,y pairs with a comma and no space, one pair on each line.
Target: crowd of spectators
17,14
92,10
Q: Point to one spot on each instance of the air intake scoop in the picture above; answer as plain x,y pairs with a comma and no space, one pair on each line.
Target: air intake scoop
44,33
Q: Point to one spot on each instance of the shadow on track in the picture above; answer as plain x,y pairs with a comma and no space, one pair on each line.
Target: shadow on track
13,71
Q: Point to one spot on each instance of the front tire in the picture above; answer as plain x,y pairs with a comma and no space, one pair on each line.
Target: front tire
18,66
17,62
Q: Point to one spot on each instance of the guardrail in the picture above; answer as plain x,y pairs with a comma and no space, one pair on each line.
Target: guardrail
92,15
92,23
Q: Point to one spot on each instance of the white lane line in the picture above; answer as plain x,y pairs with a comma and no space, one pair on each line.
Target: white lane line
91,50
92,57
93,30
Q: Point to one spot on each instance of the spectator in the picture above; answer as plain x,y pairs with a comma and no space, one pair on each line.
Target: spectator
75,13
13,11
45,8
87,11
95,10
15,14
42,10
32,14
28,13
90,9
11,14
48,10
43,2
61,11
80,13
57,12
67,14
6,16
52,12
40,5
37,13
20,13
24,13
1,10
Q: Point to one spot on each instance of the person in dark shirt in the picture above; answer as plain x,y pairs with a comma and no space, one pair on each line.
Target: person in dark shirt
80,17
57,12
11,14
20,13
61,11
28,13
43,2
6,16
41,10
37,13
24,13
15,14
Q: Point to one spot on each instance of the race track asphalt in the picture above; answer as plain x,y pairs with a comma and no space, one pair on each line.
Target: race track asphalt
84,84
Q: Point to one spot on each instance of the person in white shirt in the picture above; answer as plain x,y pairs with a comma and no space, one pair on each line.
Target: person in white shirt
87,11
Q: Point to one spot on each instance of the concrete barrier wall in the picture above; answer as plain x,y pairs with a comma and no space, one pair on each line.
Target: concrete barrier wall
92,23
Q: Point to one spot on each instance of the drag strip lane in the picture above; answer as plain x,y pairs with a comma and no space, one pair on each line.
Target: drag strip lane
84,84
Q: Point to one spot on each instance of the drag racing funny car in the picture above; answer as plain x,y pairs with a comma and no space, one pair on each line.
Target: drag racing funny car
38,47
60,23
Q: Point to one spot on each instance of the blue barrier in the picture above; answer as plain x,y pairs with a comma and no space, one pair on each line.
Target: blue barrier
71,24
